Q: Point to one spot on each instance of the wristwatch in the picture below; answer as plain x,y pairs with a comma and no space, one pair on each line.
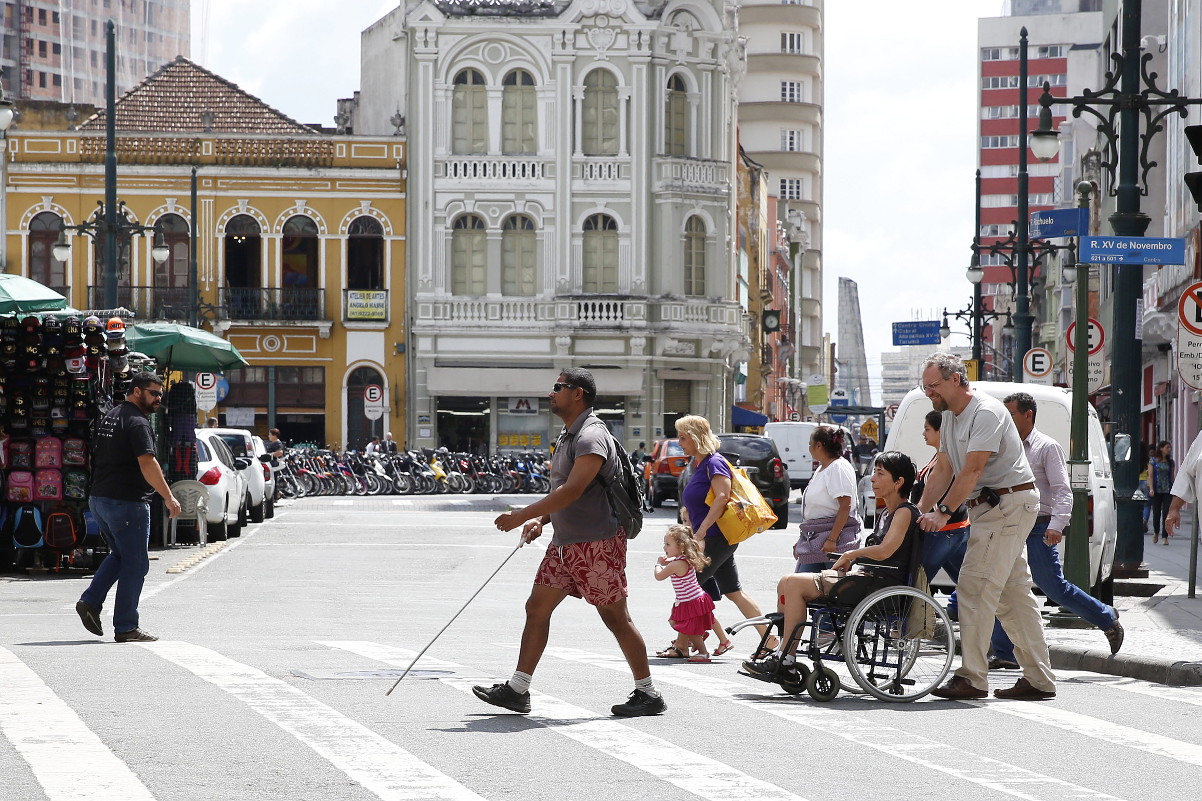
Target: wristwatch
942,509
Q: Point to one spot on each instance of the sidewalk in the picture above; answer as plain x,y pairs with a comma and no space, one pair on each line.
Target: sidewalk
1164,629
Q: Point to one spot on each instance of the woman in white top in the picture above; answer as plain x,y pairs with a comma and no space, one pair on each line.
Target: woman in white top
830,522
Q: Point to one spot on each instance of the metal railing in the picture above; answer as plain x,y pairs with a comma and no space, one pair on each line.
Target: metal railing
148,302
254,303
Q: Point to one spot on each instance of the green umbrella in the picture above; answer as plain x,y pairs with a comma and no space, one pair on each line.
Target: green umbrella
19,294
182,347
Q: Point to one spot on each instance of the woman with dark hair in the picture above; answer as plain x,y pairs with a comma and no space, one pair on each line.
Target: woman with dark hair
1160,485
944,548
829,520
891,545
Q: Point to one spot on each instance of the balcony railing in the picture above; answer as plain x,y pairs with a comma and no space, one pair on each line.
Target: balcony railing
692,175
493,168
254,303
580,311
148,302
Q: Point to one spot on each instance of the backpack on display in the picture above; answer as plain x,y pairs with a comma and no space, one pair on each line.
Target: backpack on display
75,452
62,528
20,486
48,485
20,454
27,527
75,484
48,453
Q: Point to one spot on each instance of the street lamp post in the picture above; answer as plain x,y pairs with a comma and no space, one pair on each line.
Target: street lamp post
1126,147
1022,302
6,119
975,318
1076,549
109,222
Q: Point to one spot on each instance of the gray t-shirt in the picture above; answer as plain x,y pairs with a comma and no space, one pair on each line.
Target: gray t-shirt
590,517
986,425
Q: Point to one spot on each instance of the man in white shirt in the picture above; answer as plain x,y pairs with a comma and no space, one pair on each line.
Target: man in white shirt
1187,487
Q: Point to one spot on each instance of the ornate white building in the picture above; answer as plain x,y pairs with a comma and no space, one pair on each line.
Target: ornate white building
571,193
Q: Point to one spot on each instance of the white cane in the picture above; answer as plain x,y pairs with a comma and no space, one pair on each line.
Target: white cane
521,542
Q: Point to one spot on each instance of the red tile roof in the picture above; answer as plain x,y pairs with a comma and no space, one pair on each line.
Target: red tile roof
173,100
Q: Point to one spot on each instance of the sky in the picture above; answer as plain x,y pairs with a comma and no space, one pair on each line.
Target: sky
900,133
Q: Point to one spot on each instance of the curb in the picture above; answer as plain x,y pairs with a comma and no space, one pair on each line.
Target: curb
1145,668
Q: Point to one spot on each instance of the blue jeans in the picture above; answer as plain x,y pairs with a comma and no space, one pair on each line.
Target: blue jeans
126,529
945,549
1044,562
811,567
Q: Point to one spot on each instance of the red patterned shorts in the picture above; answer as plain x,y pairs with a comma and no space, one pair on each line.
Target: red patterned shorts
594,571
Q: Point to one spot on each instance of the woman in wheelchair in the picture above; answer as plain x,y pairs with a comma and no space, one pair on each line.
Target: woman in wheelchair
884,560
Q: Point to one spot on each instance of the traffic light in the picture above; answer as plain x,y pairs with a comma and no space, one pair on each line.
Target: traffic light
1194,179
771,321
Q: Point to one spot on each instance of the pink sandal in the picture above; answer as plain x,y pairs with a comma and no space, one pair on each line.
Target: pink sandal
724,647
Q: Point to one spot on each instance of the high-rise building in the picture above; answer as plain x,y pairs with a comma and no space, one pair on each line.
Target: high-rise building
55,49
780,127
853,366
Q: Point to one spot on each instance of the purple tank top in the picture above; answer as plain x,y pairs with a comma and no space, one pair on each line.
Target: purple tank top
699,486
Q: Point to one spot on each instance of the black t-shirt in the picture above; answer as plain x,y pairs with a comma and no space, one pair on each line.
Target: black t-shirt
121,437
273,446
901,557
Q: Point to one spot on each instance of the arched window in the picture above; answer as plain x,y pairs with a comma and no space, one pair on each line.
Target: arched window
519,115
517,256
469,264
676,118
694,256
359,429
300,253
365,254
173,272
243,267
600,134
99,251
43,267
469,113
600,252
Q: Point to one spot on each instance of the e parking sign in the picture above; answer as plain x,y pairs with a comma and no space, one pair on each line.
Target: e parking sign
1037,366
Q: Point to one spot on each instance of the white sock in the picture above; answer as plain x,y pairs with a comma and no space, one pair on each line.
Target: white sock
788,659
647,686
520,681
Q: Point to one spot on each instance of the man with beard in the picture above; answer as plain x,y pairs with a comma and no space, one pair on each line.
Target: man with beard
981,457
587,554
125,474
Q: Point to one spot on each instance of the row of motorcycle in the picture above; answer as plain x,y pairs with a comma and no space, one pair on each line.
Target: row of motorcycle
425,472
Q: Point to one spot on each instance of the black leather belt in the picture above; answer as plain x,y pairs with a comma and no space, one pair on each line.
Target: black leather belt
1005,491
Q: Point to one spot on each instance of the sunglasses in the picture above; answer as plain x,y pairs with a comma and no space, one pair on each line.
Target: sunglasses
558,385
155,392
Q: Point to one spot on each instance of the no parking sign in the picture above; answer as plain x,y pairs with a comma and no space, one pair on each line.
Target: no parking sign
206,391
373,402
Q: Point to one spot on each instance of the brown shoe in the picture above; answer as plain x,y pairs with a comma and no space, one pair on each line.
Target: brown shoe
959,689
134,635
1115,635
1002,664
1023,691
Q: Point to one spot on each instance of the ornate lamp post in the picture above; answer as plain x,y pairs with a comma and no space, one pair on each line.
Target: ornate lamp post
7,114
1129,92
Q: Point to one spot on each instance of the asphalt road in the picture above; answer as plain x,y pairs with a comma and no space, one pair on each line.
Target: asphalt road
269,684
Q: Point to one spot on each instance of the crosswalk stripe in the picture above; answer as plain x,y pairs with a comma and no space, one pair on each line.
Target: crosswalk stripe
381,766
1181,695
690,771
342,502
68,759
951,760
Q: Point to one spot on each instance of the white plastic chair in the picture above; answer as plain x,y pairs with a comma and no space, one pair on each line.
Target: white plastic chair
193,499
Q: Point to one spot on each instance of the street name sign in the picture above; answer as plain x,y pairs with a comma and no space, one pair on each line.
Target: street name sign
1037,366
1057,223
1131,250
1096,365
916,332
1189,336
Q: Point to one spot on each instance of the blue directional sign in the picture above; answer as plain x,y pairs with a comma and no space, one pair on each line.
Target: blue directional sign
1131,250
916,332
1059,222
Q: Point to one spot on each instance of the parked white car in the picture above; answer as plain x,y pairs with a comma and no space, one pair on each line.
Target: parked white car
220,471
271,466
1052,418
867,501
241,444
793,442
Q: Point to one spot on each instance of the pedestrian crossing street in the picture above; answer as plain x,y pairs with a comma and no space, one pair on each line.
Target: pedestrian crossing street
354,749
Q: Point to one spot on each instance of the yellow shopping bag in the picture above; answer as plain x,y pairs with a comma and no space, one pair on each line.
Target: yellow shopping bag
747,513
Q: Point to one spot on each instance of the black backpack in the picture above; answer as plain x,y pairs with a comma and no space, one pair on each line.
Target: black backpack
624,490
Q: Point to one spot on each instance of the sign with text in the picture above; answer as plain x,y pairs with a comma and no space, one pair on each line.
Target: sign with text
1037,366
523,406
1056,223
373,401
1131,250
206,391
916,332
366,304
1189,336
1096,338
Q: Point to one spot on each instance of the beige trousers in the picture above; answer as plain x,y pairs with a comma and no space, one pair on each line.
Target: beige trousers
995,581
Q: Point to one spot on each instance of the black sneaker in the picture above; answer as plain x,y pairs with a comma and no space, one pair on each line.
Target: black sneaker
90,618
503,695
134,635
765,668
639,704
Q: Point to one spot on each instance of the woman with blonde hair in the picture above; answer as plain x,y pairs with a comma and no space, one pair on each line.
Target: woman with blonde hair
710,472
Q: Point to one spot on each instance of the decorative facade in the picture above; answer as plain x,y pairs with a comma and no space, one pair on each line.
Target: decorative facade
573,169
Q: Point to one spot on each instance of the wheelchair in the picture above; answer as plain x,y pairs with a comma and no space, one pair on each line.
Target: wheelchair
895,643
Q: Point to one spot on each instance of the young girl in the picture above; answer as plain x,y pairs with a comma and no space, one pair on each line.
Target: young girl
693,611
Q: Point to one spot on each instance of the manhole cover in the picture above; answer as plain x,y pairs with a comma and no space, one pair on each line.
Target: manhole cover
379,673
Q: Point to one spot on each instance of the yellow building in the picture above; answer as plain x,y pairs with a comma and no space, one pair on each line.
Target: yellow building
300,243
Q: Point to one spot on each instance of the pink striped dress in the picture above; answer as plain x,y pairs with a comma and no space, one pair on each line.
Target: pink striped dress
693,610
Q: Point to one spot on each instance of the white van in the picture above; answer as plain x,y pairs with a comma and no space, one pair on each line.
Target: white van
793,442
1052,418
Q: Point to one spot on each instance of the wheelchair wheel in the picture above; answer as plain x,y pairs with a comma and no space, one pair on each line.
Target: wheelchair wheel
796,687
823,683
898,644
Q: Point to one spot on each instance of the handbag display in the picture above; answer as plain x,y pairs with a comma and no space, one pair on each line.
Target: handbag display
746,513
